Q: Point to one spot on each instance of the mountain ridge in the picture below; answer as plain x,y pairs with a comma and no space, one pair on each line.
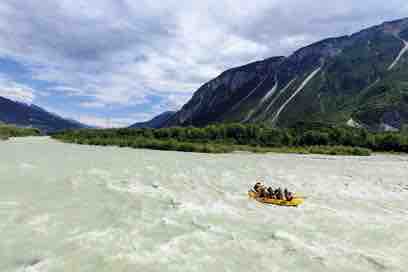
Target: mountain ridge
351,69
155,122
25,115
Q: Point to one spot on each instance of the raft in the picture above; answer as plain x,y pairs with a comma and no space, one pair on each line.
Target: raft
296,201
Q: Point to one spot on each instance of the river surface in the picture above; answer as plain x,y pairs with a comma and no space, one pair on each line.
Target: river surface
67,207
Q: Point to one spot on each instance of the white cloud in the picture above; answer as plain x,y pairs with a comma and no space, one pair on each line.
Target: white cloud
68,91
120,52
92,104
15,91
106,122
173,102
295,41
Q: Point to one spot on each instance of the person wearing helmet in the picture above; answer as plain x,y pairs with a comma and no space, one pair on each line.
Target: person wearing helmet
257,187
271,193
289,196
279,194
285,193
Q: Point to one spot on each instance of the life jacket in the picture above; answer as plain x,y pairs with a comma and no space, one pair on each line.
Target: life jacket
289,197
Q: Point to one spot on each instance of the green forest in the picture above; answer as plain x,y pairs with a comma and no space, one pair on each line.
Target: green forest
222,138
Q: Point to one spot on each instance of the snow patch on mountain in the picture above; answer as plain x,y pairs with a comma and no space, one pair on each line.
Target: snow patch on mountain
249,116
301,87
401,53
279,94
270,93
388,128
249,94
263,100
353,123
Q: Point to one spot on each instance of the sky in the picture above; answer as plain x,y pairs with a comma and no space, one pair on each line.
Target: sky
117,62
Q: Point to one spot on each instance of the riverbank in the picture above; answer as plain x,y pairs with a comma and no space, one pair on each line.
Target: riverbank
172,145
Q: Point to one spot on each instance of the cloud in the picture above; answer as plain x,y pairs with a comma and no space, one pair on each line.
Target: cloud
92,104
121,52
173,102
15,91
68,91
106,122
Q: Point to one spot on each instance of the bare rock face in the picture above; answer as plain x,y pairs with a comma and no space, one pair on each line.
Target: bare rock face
214,98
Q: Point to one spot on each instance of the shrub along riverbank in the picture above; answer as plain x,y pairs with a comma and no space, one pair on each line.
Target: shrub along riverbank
302,138
174,145
7,131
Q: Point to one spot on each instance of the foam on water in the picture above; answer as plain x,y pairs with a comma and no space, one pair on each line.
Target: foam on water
84,208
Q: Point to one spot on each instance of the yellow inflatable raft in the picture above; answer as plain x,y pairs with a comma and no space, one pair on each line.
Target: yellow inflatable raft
296,201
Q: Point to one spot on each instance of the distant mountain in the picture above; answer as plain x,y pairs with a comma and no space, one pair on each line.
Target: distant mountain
156,122
24,115
359,80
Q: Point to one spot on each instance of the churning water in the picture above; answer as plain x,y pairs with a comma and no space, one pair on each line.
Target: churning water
67,207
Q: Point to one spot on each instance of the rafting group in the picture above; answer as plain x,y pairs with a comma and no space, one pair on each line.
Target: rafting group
268,192
268,195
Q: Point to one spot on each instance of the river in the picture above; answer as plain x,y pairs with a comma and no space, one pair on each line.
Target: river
67,207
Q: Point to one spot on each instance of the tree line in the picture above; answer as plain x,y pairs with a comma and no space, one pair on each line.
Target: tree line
227,137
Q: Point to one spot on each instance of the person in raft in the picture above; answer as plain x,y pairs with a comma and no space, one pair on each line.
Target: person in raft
262,191
278,193
271,192
288,195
